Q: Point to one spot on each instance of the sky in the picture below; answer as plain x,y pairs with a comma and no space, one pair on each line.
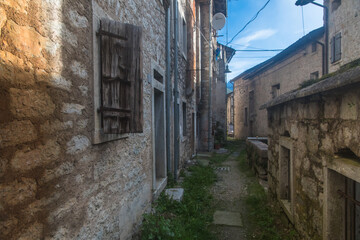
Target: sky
278,26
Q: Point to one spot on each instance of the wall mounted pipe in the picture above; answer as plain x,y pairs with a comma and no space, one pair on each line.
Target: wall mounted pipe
176,92
168,90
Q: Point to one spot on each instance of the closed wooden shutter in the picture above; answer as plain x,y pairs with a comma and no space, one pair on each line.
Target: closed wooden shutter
337,47
121,77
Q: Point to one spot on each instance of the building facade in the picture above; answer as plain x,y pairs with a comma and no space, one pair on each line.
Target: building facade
303,61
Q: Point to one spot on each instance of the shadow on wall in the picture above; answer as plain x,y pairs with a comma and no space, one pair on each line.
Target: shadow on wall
35,89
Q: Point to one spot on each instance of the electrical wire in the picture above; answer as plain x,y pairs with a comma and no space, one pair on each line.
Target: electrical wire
260,50
251,20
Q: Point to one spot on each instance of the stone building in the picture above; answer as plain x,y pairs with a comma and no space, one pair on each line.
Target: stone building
314,154
98,105
230,112
303,61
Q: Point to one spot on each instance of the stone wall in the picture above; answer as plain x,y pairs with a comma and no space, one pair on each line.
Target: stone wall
55,184
315,130
289,73
346,20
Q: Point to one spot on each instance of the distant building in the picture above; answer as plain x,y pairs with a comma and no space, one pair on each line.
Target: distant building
230,112
282,73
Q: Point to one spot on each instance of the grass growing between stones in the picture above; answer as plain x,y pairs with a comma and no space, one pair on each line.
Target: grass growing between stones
186,220
263,219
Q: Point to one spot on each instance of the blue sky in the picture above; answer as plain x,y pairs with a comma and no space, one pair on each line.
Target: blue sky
277,26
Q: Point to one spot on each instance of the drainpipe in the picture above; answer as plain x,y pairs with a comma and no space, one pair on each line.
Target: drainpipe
323,57
210,78
176,91
168,90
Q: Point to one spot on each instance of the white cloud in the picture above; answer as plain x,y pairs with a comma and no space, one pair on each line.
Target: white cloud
238,66
258,35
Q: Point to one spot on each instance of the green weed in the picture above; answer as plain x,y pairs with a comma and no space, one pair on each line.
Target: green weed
184,220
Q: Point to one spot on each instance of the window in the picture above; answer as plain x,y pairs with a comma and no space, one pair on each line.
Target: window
275,90
121,90
335,47
313,47
335,5
314,75
184,118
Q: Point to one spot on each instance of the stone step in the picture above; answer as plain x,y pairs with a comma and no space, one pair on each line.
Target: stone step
204,154
203,162
228,218
175,193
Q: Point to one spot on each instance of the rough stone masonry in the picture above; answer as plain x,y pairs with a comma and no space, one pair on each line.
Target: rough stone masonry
54,183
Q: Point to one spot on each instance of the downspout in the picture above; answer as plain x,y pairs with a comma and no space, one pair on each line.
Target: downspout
326,10
176,91
210,78
323,57
168,90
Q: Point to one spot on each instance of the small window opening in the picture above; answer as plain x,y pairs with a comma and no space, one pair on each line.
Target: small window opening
158,77
335,5
275,90
313,47
347,153
314,75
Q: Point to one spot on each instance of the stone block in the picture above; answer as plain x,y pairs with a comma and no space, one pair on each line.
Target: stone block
30,103
176,194
309,186
77,144
77,20
79,70
203,162
72,108
25,160
63,169
25,39
8,225
18,191
330,108
16,132
35,231
3,19
62,210
51,127
14,71
349,107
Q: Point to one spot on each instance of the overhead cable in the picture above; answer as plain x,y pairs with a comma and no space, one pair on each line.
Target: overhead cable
251,20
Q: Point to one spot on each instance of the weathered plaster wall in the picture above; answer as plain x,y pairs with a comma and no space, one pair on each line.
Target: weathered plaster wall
54,183
345,19
288,73
317,128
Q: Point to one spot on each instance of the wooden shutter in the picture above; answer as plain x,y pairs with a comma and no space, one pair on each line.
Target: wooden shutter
121,79
337,47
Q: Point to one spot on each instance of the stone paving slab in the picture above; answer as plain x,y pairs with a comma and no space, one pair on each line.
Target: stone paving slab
204,154
203,162
175,193
228,218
